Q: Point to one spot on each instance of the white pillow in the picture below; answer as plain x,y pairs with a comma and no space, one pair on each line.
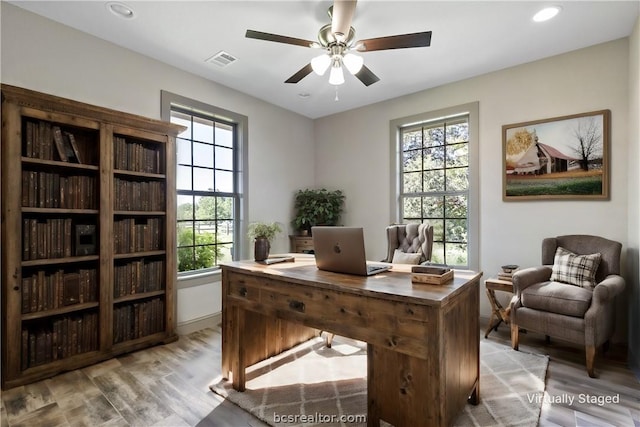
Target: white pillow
579,270
400,257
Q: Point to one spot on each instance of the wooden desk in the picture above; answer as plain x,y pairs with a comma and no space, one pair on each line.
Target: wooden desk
498,313
423,349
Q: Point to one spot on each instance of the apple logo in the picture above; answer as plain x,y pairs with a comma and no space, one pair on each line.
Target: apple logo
336,248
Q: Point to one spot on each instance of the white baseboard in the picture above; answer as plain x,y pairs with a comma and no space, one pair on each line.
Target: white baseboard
210,321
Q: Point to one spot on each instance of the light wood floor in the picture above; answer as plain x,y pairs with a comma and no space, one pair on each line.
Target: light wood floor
168,386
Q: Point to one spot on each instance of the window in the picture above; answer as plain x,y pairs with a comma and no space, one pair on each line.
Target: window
436,181
208,183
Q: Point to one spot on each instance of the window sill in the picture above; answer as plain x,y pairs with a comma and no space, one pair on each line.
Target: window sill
198,279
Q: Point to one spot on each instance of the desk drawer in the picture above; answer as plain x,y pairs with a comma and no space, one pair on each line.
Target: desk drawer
390,323
245,287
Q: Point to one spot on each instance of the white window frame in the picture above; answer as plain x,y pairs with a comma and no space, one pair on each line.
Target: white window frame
396,126
167,100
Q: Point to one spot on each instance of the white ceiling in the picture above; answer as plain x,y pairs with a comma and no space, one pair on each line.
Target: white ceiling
469,39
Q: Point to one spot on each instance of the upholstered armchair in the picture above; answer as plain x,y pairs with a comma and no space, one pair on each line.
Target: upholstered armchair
409,243
571,296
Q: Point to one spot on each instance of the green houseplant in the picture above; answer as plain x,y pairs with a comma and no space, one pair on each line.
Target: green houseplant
317,207
263,234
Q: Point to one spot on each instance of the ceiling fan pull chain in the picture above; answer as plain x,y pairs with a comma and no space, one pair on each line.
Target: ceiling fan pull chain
336,98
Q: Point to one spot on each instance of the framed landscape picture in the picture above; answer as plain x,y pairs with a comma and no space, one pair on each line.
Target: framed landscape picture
558,158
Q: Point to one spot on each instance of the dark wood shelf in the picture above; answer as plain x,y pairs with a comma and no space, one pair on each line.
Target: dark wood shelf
138,254
123,172
59,311
60,211
139,213
141,342
53,261
134,297
58,164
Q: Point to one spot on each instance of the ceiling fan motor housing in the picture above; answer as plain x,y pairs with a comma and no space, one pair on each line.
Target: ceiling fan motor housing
327,38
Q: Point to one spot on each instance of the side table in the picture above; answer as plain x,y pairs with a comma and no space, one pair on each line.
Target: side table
498,313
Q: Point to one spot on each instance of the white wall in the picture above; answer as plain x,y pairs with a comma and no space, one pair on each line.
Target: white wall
633,261
43,55
352,152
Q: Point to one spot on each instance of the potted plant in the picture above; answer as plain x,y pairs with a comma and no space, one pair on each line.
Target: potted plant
263,234
317,207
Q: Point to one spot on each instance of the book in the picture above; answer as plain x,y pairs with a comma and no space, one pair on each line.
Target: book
74,146
57,138
68,148
277,259
505,276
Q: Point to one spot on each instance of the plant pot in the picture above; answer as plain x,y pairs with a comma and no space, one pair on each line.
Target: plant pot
261,249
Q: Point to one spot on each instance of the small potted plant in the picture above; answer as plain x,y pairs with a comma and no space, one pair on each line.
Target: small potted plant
317,207
263,234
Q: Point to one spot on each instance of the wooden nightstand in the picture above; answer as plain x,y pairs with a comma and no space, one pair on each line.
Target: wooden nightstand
301,244
498,313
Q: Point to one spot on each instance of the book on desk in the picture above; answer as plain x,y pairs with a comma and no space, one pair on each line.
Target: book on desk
275,259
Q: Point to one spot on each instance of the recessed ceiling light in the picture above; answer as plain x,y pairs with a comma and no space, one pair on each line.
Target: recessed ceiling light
121,10
547,13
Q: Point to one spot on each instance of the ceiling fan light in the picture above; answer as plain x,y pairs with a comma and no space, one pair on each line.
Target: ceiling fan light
353,62
336,77
320,64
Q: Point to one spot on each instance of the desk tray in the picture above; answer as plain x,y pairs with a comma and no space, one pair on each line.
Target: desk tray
432,279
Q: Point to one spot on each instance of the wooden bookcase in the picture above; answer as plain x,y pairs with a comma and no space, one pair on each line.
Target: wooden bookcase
88,234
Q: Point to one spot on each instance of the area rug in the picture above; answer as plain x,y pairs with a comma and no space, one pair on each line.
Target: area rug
312,385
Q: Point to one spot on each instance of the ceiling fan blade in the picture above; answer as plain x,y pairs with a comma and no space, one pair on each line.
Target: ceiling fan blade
366,76
395,42
304,72
251,34
341,18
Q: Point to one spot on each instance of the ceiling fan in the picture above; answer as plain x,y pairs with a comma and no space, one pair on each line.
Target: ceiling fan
338,40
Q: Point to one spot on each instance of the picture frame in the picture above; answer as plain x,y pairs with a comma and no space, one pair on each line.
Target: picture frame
562,158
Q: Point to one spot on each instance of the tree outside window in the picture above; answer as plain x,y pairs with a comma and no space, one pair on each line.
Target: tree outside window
435,184
206,191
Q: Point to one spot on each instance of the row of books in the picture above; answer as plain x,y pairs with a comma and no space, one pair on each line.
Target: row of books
52,190
137,157
137,320
64,337
48,142
139,196
137,235
47,291
137,277
46,238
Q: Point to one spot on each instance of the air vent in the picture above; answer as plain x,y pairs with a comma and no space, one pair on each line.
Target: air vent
222,59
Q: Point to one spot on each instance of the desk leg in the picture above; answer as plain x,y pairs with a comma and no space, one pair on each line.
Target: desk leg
474,398
226,350
238,364
401,389
226,331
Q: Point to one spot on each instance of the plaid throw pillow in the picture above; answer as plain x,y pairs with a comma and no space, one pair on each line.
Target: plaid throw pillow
579,270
